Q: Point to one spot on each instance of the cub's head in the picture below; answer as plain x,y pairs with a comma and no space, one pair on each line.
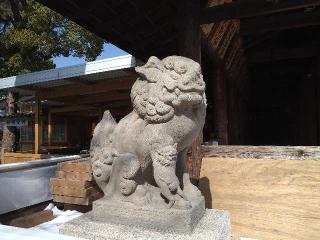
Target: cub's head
166,85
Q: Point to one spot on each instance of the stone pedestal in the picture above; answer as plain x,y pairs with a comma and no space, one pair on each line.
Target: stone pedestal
214,225
158,219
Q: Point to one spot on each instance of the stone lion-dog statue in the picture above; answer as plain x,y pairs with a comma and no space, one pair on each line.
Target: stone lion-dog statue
142,159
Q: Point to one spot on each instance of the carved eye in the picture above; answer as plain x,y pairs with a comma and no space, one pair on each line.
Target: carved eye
169,65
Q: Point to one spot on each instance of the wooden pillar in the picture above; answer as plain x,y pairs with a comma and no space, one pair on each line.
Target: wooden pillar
49,128
188,24
65,130
317,87
37,126
189,45
220,104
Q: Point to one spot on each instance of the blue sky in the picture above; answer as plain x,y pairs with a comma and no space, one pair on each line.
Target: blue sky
109,50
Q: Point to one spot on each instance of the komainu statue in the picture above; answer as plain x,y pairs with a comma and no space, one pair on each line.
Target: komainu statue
142,159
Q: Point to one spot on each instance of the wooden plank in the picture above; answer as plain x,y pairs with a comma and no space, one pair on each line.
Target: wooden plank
267,198
252,8
32,219
233,29
80,176
280,22
57,182
75,200
215,38
71,200
74,191
265,152
23,155
15,160
12,157
76,166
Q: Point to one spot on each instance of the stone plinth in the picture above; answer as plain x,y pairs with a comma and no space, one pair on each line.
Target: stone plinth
162,219
214,225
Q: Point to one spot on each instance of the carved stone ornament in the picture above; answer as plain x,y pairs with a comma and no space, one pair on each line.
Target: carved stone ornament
141,161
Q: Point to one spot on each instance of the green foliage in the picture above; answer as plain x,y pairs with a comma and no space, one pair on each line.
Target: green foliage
32,34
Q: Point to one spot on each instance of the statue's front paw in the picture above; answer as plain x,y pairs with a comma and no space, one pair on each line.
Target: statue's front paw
191,193
182,204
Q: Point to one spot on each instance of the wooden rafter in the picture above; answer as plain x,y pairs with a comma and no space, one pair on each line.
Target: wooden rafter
94,88
76,108
252,8
79,82
280,22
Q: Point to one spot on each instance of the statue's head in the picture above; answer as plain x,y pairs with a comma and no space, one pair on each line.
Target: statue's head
167,85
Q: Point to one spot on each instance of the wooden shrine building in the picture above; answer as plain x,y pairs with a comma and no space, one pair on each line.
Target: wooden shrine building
261,64
59,108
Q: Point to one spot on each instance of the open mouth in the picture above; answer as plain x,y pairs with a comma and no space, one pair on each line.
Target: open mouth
187,96
190,98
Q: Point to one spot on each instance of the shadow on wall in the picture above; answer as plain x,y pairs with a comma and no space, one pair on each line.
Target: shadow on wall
204,186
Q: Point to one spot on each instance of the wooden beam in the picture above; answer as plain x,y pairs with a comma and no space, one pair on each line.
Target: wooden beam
100,87
107,97
37,125
281,54
76,108
79,82
252,8
280,22
263,152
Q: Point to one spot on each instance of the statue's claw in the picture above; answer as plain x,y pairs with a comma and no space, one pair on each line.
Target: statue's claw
191,192
171,203
182,204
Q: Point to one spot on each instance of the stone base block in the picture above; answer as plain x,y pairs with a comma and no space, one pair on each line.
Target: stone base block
214,225
162,220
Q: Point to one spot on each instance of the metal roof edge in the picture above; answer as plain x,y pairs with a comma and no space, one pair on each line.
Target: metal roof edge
108,64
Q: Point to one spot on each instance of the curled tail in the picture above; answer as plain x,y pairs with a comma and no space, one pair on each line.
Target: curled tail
102,152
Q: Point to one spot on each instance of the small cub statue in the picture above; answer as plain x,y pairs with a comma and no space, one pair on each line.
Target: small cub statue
142,159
